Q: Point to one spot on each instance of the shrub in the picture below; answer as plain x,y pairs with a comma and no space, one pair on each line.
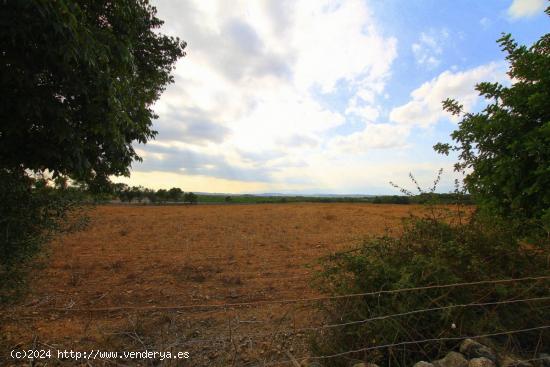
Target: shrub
431,250
30,213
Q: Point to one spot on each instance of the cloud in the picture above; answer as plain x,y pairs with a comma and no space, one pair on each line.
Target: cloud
485,22
279,114
428,49
425,108
373,136
284,94
338,42
526,8
157,157
299,141
365,111
247,97
190,125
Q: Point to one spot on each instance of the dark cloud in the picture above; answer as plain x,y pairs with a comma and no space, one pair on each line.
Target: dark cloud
189,125
241,53
280,15
188,162
261,156
243,37
298,140
236,50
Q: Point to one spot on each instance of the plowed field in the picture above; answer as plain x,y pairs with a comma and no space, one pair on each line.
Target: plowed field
189,278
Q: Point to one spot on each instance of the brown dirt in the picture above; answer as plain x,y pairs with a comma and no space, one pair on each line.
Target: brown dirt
146,257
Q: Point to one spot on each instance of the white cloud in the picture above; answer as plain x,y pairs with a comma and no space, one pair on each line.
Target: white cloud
425,108
428,49
365,111
280,113
373,136
337,41
526,8
485,22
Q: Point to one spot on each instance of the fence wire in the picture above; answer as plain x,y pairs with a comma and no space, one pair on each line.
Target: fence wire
283,301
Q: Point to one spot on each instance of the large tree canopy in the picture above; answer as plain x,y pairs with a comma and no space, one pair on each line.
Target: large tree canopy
505,149
79,78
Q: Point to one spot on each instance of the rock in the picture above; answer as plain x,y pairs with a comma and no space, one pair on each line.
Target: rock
423,364
472,349
481,362
508,361
452,359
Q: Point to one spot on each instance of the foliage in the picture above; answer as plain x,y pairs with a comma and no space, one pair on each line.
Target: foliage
162,195
80,79
175,194
30,213
190,198
446,198
505,149
82,76
431,251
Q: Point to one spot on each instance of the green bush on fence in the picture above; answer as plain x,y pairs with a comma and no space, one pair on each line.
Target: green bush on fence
431,251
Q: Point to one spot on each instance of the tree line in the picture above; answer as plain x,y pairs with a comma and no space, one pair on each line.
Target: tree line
141,194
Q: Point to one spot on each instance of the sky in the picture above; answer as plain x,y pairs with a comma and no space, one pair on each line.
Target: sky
335,97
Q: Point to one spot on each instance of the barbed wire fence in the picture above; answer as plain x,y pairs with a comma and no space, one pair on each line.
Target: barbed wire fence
232,320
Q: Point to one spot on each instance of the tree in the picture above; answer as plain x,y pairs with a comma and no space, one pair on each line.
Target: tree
175,193
505,149
162,195
190,198
137,193
80,77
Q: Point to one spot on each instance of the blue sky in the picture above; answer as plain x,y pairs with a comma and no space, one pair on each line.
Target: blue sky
322,96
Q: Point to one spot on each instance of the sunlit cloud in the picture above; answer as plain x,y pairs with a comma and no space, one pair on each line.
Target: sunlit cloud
425,107
526,8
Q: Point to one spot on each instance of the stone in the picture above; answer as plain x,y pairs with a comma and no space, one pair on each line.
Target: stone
423,364
481,362
472,349
452,359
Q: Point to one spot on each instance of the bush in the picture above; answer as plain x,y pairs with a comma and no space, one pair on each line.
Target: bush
431,251
30,212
